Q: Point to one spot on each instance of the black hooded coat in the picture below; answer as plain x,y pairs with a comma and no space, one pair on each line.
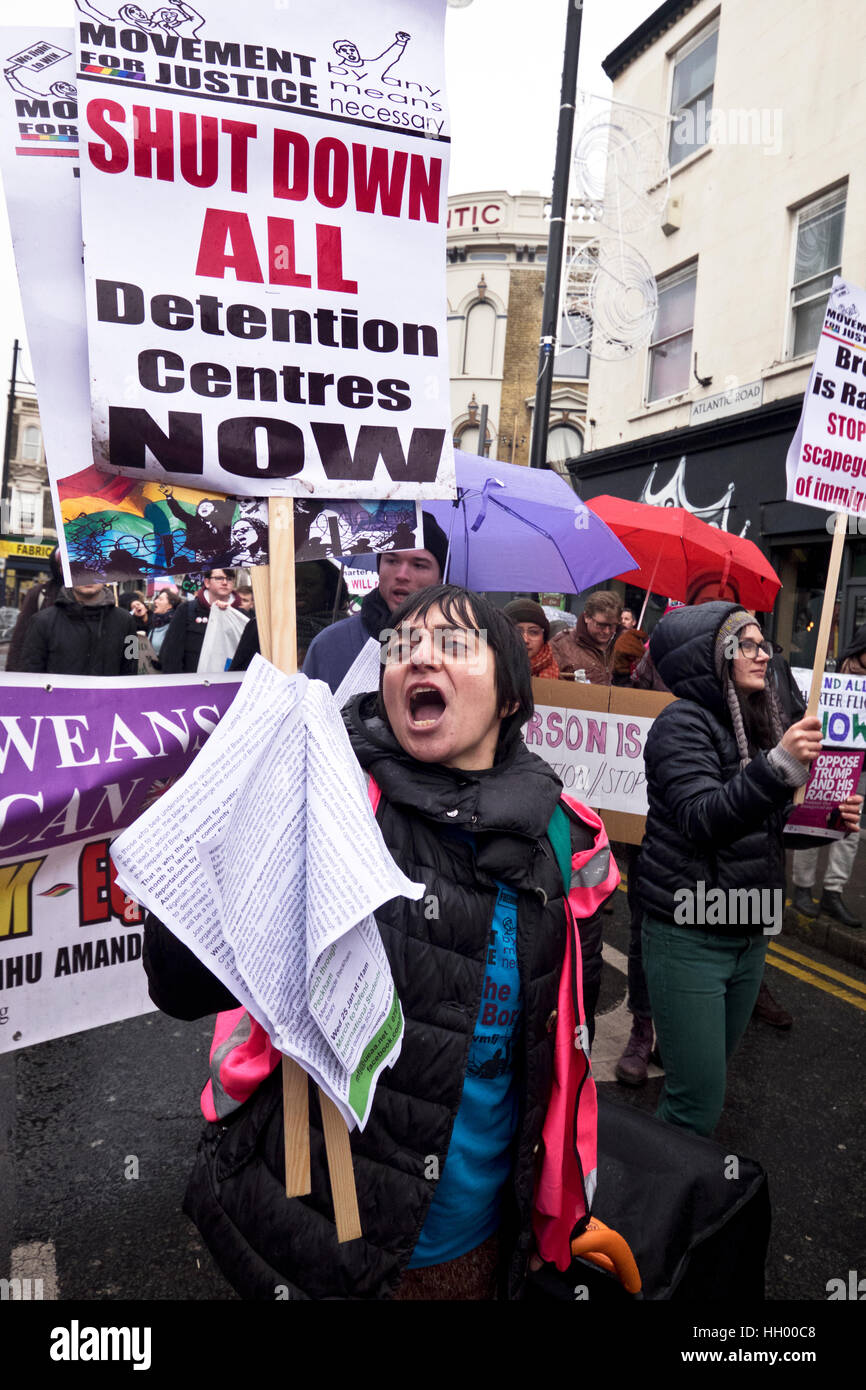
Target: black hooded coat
78,639
236,1193
708,820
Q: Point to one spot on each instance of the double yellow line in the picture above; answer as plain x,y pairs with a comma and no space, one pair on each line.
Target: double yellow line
782,956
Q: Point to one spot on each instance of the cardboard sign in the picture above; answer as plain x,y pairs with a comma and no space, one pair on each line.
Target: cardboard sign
593,736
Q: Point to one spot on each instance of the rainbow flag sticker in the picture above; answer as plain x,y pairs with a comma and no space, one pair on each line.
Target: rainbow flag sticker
57,139
114,72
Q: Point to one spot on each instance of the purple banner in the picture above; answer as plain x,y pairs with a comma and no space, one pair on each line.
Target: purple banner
81,758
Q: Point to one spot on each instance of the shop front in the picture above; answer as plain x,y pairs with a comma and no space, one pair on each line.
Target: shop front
23,564
731,473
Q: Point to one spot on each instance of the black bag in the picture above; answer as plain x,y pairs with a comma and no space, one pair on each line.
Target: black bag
697,1219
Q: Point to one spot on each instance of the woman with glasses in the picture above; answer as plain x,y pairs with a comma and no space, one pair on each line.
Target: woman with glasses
722,763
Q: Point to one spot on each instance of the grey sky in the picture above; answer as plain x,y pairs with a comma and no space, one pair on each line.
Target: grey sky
504,63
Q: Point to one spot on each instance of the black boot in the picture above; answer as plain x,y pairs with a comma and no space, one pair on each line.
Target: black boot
832,904
805,903
769,1010
631,1067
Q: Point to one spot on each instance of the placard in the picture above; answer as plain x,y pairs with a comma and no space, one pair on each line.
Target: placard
593,736
826,462
81,764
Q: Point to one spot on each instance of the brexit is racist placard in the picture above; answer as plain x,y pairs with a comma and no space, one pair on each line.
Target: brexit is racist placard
826,462
263,206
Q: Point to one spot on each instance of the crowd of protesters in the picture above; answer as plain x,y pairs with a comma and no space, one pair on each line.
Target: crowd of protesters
441,743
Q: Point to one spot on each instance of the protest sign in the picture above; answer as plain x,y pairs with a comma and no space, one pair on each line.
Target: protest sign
110,530
593,736
359,581
78,767
334,528
39,160
827,456
288,923
841,707
826,462
832,779
263,213
118,529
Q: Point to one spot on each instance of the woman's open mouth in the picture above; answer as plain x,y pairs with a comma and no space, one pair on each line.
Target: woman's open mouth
426,707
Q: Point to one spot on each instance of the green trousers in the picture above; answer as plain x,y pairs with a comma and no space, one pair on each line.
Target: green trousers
702,988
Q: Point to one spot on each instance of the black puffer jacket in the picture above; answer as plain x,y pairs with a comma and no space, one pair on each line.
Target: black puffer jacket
236,1194
78,639
708,820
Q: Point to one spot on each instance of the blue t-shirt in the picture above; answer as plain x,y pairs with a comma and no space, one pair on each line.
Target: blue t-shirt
465,1209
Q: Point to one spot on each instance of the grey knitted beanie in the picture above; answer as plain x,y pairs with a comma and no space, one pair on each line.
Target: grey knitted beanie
733,624
731,627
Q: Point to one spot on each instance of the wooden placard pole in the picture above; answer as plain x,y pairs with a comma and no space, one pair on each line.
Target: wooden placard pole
824,626
277,623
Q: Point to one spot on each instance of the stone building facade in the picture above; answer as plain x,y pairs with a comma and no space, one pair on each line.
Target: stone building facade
497,255
766,138
27,531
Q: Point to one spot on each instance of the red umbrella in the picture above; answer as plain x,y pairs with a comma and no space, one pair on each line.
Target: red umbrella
673,549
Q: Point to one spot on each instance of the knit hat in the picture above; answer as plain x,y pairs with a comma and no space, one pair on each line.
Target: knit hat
435,540
734,623
524,610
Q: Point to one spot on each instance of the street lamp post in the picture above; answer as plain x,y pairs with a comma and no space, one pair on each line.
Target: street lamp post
5,511
556,239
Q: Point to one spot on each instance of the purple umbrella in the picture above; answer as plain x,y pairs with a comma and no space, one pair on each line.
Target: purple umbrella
514,528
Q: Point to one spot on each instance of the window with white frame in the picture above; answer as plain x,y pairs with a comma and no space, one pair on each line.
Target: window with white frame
31,445
479,345
26,518
572,351
670,352
819,229
564,441
694,71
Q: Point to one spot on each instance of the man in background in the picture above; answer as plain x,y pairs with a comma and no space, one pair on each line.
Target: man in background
183,642
401,573
588,646
83,633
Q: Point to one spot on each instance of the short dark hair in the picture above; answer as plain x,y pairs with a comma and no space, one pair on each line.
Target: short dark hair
229,573
470,610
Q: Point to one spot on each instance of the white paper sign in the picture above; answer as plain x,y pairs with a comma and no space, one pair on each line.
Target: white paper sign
264,225
597,756
39,156
267,861
826,462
